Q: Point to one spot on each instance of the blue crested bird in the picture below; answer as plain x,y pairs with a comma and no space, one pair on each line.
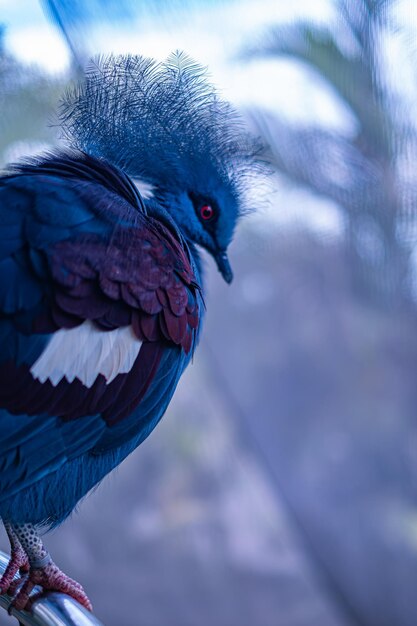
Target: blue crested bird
101,298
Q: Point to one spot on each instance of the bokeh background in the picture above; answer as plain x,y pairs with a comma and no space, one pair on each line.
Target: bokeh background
281,487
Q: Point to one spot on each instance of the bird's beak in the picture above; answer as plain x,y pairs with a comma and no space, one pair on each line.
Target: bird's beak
224,266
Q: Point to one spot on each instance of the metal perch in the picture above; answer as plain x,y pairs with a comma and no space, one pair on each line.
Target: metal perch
54,609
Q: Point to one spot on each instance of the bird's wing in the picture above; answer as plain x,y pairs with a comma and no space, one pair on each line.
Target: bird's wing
87,309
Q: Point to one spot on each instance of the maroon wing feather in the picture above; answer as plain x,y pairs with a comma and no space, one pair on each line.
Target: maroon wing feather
141,276
21,393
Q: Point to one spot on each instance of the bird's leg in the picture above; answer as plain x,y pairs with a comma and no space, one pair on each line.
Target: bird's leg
43,571
18,559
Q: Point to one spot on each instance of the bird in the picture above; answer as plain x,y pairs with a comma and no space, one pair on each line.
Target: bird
102,287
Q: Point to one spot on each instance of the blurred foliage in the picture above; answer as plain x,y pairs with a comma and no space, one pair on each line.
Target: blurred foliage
361,173
28,100
77,12
75,19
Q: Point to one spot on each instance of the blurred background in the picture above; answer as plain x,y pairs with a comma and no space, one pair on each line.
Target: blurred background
281,487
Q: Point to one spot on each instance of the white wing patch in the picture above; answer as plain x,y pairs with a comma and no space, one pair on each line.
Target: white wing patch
85,352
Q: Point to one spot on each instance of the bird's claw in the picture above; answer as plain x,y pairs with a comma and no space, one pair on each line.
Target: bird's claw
50,578
18,563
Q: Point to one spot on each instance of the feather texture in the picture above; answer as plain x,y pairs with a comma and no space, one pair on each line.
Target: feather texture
89,359
163,122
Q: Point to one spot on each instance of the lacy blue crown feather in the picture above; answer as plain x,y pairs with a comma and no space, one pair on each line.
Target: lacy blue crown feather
163,122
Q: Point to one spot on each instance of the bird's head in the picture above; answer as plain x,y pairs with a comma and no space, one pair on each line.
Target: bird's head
207,214
164,124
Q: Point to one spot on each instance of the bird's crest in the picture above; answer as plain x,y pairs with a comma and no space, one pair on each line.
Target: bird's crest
161,121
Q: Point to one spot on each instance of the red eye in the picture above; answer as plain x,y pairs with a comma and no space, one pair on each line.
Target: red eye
206,212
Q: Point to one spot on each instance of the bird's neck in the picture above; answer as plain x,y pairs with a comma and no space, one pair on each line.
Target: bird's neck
197,261
157,209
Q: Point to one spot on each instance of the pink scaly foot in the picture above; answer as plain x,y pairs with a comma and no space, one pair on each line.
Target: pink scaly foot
42,571
50,578
18,562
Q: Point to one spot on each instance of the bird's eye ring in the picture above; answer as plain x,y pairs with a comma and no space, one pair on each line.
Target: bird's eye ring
206,212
